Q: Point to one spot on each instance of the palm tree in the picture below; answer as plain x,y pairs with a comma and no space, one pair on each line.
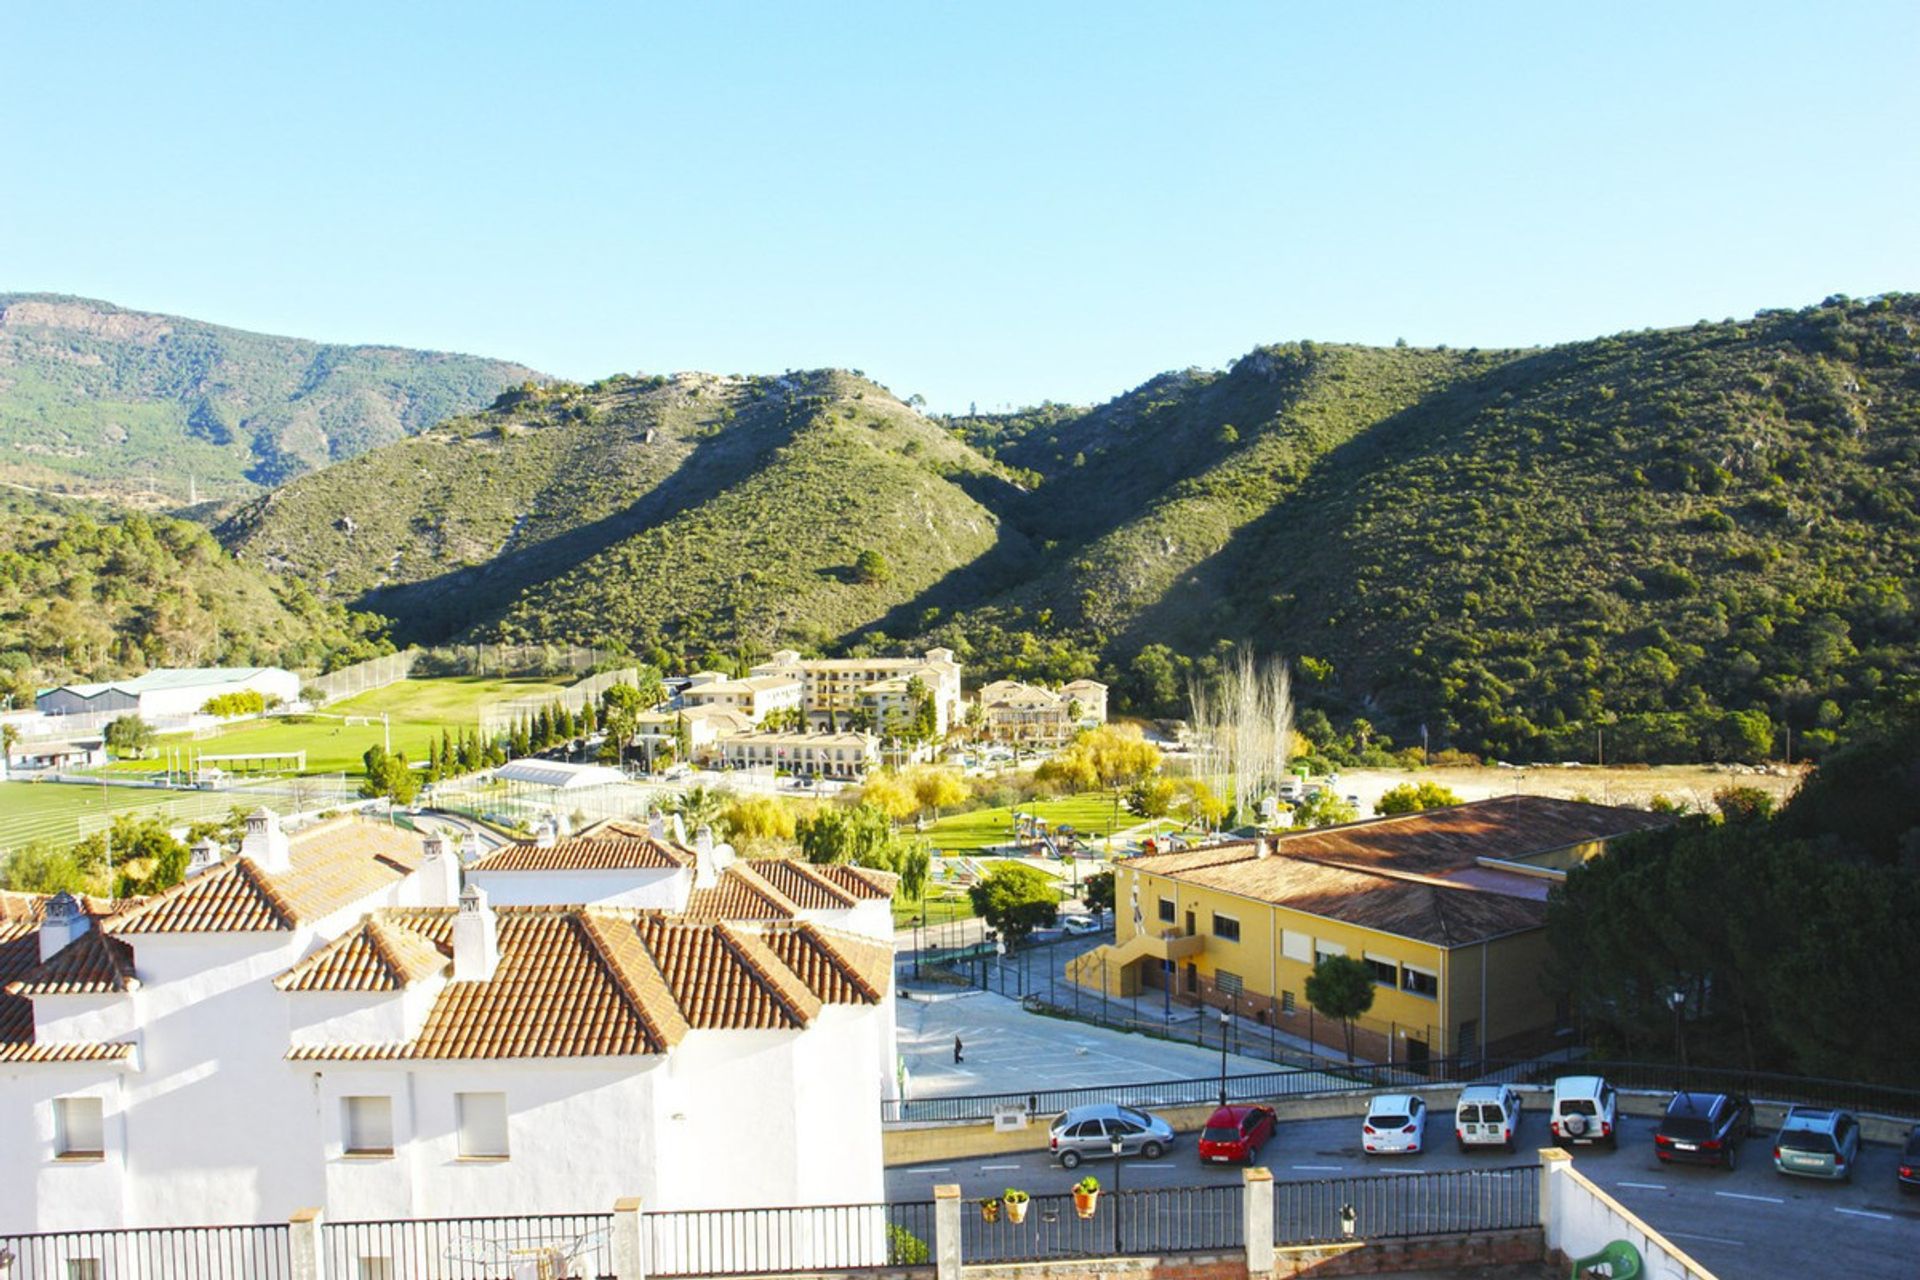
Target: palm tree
698,806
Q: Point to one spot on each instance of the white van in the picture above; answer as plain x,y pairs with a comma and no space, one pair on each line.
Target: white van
1585,1109
1488,1115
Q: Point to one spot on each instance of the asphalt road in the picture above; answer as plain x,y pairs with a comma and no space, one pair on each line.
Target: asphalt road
1752,1222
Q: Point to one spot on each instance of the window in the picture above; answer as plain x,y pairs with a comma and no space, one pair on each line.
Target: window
1324,949
1385,972
1296,946
483,1125
1419,982
1166,910
366,1125
79,1129
1286,1003
1226,928
1228,984
83,1269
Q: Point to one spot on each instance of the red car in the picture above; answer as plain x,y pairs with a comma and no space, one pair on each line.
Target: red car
1236,1133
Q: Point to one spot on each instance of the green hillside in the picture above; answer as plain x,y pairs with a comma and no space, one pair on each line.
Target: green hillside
86,595
690,514
95,399
1664,545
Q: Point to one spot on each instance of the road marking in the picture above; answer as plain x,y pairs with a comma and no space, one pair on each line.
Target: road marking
1644,1186
1741,1195
938,1168
1864,1213
1689,1235
989,1168
1320,1168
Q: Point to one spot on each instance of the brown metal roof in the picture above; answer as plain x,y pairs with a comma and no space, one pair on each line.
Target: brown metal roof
612,851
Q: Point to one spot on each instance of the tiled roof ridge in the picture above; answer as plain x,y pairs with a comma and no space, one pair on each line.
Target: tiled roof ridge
807,871
799,1000
263,884
242,868
763,887
383,935
825,940
620,953
1392,873
91,963
882,884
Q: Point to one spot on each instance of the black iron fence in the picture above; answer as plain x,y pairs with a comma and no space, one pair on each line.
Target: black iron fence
743,1242
156,1253
1265,1086
1108,1223
1384,1206
565,1244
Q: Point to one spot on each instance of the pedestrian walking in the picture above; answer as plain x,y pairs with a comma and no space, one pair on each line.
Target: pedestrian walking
956,1051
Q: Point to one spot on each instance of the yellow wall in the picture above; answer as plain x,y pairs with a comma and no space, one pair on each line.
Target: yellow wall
1514,1001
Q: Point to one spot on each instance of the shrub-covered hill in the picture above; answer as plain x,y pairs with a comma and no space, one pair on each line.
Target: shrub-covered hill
690,514
128,404
90,595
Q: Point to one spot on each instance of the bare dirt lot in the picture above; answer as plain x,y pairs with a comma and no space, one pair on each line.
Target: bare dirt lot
1637,785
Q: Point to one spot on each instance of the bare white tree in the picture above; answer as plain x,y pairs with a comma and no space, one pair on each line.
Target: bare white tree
1243,728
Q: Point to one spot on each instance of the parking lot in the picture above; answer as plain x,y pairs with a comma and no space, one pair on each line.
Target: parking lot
1752,1222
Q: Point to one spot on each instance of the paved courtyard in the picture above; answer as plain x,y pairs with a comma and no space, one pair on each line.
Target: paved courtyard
1008,1050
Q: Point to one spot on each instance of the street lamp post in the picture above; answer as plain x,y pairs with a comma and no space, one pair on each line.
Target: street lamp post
1226,1021
1676,998
1114,1143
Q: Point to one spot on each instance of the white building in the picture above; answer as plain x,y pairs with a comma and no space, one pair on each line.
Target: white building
1011,711
327,1020
169,692
755,697
835,688
846,756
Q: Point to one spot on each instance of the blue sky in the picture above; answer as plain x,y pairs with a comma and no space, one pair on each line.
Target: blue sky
978,203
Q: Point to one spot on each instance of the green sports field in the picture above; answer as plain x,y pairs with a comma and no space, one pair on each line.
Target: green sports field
417,712
1090,814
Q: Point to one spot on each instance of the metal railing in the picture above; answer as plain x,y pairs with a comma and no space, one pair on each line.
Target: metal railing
564,1244
1364,1077
1119,1224
741,1242
1382,1207
150,1253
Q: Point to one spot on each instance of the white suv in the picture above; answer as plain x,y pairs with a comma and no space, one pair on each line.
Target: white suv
1584,1110
1488,1115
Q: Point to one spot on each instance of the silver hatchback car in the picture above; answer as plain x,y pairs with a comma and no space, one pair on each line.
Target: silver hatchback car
1087,1133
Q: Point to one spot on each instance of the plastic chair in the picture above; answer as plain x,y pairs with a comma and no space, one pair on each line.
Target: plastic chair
1620,1258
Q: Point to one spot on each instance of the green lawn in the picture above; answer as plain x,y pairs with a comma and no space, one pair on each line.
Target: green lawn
60,813
418,710
1090,814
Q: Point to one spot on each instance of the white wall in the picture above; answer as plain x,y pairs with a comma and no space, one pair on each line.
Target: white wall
1581,1220
664,889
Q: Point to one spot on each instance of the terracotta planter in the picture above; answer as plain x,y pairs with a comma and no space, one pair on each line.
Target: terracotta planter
1085,1202
989,1211
1017,1210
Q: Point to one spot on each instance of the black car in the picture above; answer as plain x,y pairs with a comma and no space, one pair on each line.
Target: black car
1910,1162
1702,1128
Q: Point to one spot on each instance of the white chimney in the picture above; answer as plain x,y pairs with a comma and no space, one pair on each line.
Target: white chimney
439,873
62,922
205,856
657,825
706,867
476,937
265,843
545,836
470,847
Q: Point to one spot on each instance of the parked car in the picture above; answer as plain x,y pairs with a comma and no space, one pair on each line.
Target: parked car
1817,1143
1236,1133
1585,1109
1702,1128
1088,1131
1910,1163
1080,926
1395,1123
1488,1115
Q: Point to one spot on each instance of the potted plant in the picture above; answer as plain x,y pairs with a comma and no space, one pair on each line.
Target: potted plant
989,1210
1016,1202
1086,1196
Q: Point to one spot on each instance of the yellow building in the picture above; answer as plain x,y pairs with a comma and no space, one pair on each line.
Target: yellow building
1447,907
834,689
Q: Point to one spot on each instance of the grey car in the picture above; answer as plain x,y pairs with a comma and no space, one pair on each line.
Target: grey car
1817,1144
1087,1133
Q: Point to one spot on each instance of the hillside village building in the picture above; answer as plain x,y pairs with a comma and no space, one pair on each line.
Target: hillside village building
169,693
835,688
329,1019
755,697
843,756
1013,712
657,732
1448,907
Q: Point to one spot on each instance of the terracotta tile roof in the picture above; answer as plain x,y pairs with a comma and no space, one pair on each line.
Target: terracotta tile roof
333,866
380,955
19,956
585,982
861,882
803,884
740,894
93,963
608,851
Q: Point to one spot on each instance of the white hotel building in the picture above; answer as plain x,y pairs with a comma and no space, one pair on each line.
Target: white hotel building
328,1020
